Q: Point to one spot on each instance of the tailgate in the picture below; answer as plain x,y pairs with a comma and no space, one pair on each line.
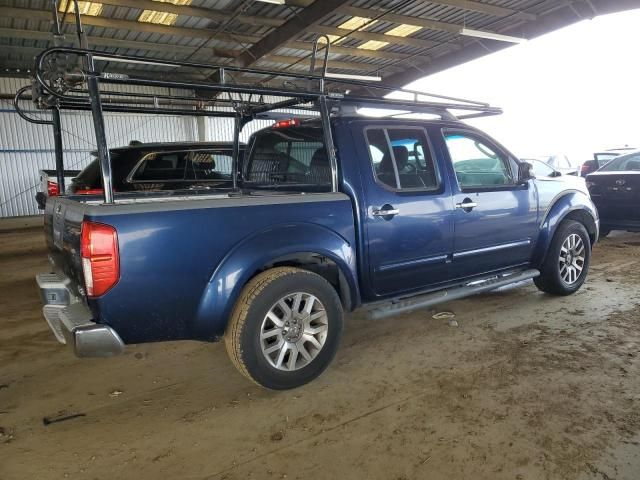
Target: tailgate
62,222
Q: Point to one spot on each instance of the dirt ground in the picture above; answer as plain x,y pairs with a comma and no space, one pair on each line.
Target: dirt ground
527,386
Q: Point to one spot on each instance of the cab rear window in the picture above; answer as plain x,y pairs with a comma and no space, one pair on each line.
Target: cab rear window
289,157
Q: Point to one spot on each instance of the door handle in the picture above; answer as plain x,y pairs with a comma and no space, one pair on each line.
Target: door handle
386,211
467,204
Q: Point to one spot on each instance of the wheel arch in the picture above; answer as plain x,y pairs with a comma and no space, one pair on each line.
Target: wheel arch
306,246
574,205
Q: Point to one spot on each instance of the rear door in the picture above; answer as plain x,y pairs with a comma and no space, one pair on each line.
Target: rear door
495,217
615,190
409,212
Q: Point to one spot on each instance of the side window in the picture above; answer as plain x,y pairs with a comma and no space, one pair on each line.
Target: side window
541,169
477,165
161,167
402,159
183,166
203,165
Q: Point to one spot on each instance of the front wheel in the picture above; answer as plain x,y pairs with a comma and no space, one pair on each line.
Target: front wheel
566,264
285,328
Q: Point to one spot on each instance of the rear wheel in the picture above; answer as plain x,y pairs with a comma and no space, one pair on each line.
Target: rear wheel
567,262
285,328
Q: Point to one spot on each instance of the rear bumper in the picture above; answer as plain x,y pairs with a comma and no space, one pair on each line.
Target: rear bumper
71,320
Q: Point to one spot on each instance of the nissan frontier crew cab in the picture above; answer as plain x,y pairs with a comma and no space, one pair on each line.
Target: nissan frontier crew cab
424,211
326,213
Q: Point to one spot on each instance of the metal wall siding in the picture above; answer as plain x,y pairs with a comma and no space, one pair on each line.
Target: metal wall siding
27,148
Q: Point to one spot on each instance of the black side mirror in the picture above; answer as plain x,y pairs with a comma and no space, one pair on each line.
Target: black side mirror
525,173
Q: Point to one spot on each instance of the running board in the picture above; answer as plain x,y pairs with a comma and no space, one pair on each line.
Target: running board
430,299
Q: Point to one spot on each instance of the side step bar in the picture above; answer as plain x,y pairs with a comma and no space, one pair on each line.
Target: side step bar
424,301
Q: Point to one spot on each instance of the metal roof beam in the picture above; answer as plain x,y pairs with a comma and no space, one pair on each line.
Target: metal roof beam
380,37
351,51
293,27
134,26
215,15
116,43
486,8
187,50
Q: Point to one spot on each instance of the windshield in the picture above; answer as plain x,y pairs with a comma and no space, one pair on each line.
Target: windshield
288,158
625,163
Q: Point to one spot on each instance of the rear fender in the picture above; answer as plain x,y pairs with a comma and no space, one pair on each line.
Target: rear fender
260,250
574,205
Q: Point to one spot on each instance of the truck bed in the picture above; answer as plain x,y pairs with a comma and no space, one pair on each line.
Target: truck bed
172,251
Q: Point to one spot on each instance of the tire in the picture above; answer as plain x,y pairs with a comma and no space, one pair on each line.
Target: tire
604,232
555,279
260,328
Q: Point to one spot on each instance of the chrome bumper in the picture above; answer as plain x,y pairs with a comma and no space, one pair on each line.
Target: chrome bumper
71,321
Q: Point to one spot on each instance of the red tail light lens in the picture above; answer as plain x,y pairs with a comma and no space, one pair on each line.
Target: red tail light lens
89,191
52,189
294,122
100,257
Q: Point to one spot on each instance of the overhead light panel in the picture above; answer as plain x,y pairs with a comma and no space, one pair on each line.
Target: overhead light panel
175,2
403,30
469,32
354,23
160,18
373,45
275,2
92,9
348,76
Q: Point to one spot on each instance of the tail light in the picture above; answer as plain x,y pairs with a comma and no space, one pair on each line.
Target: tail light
89,191
585,169
294,122
100,257
52,189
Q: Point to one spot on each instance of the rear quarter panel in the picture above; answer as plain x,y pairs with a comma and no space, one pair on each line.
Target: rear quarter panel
559,198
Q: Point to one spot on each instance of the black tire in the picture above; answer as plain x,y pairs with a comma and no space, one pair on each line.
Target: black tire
604,232
259,297
550,279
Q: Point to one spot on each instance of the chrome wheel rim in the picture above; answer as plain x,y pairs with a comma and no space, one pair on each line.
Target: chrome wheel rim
572,256
293,331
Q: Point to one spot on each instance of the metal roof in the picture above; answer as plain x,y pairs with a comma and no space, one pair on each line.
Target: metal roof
255,33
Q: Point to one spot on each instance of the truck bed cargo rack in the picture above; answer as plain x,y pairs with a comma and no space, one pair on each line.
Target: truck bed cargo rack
69,78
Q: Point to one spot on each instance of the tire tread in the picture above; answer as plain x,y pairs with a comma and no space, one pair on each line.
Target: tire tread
240,312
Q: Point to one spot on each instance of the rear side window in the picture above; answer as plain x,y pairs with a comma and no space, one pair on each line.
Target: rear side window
182,166
476,163
626,163
402,159
290,156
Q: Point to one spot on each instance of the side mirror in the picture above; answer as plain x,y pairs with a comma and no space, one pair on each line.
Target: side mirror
525,173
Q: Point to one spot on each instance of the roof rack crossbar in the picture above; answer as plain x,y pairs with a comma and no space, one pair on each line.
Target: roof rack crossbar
294,94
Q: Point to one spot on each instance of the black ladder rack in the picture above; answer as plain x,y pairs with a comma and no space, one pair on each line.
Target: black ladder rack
69,79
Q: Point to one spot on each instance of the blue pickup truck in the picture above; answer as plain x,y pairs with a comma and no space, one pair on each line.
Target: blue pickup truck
423,211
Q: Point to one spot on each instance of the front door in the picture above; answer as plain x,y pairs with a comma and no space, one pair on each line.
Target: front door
409,211
495,217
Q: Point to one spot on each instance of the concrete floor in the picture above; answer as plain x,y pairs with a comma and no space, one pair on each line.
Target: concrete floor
528,386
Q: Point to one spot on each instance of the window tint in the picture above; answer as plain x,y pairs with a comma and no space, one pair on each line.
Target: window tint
401,158
622,164
183,166
477,164
291,156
